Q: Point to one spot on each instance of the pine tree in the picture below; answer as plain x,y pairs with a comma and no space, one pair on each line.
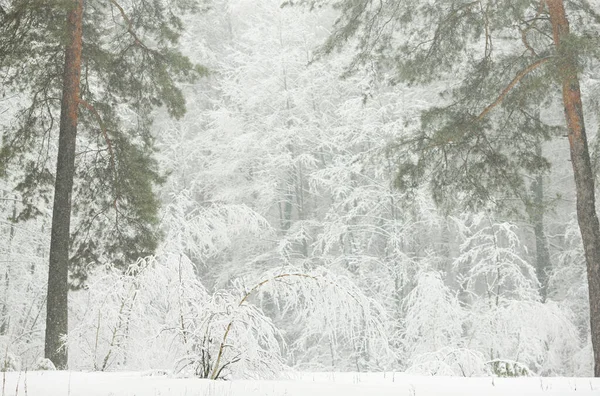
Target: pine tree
511,59
111,64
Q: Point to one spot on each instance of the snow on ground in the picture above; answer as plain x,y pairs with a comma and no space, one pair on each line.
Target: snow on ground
319,384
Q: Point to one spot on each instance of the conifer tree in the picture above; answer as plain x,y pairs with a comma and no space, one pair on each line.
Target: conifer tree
103,66
503,62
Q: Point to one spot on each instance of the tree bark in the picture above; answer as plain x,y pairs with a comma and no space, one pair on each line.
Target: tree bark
582,169
58,287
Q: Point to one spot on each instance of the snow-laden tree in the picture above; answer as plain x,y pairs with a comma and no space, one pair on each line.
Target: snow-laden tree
315,157
507,60
432,328
494,258
506,319
281,219
568,288
23,268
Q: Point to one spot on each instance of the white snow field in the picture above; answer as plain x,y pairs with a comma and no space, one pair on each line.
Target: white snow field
306,384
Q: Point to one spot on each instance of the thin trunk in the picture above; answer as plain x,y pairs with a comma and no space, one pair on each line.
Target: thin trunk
582,169
4,314
299,183
542,252
542,256
287,209
57,302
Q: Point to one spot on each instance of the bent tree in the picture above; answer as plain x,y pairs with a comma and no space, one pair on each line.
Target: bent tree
510,58
103,66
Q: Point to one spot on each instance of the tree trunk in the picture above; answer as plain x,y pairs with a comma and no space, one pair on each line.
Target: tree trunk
542,255
4,314
536,215
582,169
57,302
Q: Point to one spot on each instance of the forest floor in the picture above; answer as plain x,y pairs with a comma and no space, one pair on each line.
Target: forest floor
319,384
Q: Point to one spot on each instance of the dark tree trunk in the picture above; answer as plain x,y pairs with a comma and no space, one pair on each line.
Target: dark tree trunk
542,256
58,287
4,321
582,169
536,215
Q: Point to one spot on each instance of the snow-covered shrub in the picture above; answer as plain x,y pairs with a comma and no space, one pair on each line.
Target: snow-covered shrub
508,368
583,360
158,315
44,364
506,320
449,361
234,338
228,339
9,362
135,320
492,262
432,329
433,317
567,283
23,277
538,336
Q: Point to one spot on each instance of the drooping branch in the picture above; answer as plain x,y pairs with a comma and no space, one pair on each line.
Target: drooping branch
512,84
216,370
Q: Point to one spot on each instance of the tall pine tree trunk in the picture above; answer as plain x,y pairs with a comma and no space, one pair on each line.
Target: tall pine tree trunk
58,287
582,169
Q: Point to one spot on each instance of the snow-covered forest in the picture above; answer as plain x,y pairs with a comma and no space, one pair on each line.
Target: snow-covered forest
263,186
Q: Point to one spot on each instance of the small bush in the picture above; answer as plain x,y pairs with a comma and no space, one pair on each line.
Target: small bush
44,364
9,362
508,368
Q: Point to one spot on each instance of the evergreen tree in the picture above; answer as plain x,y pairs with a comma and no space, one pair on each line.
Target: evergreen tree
106,66
510,59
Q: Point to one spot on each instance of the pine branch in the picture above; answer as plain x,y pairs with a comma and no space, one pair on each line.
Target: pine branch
132,32
511,85
93,110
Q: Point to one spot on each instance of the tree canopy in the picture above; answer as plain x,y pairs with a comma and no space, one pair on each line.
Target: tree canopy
130,66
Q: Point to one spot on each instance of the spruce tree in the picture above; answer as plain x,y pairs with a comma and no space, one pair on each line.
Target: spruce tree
501,62
93,71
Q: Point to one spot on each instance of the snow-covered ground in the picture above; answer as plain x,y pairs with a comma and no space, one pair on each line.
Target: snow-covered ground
318,384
